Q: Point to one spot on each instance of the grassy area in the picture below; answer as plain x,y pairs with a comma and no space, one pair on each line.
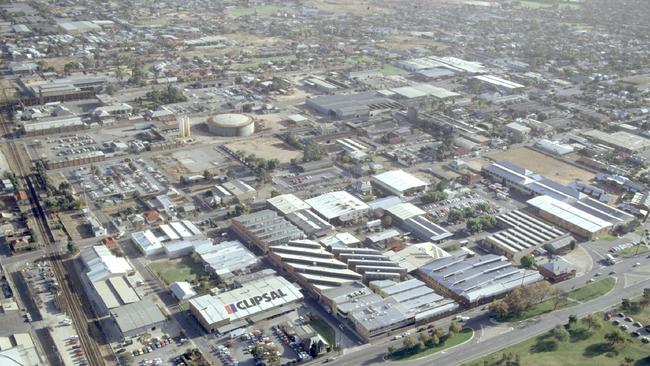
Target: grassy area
182,269
608,237
582,294
391,70
261,10
407,354
628,252
593,290
584,350
321,327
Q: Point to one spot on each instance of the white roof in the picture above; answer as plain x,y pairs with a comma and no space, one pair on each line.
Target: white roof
399,180
495,80
405,210
568,213
102,263
241,303
182,290
335,204
287,203
147,241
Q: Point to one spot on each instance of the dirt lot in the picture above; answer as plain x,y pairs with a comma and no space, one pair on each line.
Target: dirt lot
267,147
76,226
545,165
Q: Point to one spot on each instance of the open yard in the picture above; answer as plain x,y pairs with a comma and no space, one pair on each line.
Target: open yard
181,269
545,165
321,327
583,348
267,147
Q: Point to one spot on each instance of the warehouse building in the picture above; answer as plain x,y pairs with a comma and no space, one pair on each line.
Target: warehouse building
415,256
310,223
111,279
420,301
265,229
174,240
353,106
399,183
182,290
312,265
340,207
411,218
565,201
254,301
450,63
522,235
287,203
500,83
371,263
475,280
619,140
226,258
137,318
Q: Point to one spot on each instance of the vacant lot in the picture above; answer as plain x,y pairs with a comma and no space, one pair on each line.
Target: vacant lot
267,147
547,166
181,269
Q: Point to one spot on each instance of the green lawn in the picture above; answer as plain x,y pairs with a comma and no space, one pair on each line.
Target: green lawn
391,70
321,327
632,251
406,354
182,269
579,351
261,10
582,294
608,237
593,290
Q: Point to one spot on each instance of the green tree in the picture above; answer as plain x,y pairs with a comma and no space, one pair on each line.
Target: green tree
560,333
454,215
455,327
424,337
409,342
614,338
207,175
527,261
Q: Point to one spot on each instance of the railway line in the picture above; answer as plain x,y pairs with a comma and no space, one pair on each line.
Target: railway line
69,301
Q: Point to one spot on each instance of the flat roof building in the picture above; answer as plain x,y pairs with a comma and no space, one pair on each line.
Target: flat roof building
339,206
264,296
399,183
415,256
371,263
265,229
226,257
287,203
137,318
352,106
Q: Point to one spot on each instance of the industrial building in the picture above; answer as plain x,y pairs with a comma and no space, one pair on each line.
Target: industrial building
522,235
312,265
472,280
111,279
619,140
138,317
265,229
411,218
175,239
225,258
182,290
254,301
339,206
287,203
184,128
231,125
370,263
450,63
500,83
415,256
399,183
353,106
562,205
52,124
420,91
310,223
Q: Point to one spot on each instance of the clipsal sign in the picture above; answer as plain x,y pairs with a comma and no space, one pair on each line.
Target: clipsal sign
254,301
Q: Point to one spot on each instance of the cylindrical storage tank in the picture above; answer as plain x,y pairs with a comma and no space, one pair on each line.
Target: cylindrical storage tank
231,125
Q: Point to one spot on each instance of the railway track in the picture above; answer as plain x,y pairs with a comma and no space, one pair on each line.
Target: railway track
70,303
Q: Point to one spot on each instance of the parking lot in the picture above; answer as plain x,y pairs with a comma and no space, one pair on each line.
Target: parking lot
67,145
120,179
634,328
